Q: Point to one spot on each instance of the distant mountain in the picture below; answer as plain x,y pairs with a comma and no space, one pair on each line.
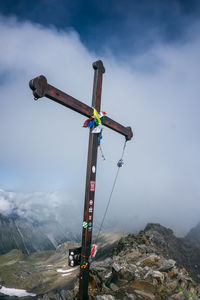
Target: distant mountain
28,235
194,236
185,253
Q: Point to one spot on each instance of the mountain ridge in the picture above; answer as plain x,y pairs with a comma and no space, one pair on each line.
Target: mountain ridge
28,235
193,235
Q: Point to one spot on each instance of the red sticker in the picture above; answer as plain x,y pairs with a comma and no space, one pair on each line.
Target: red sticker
92,186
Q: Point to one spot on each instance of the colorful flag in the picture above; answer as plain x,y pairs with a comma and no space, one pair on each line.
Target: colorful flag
96,115
97,129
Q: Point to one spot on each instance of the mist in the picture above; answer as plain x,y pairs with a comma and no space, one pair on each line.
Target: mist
43,149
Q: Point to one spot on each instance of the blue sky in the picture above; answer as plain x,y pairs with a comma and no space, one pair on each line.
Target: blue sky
122,26
150,50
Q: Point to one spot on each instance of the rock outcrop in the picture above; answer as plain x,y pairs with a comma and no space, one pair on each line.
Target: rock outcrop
151,266
182,250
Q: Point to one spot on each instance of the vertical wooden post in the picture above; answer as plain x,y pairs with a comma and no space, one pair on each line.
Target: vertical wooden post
90,186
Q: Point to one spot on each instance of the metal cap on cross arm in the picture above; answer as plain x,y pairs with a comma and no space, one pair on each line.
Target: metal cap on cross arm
39,86
99,65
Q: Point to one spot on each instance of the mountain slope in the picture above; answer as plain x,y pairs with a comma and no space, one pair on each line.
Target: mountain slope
184,252
45,271
29,236
194,236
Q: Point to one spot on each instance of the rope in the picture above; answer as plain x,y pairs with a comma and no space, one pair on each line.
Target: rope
102,155
109,199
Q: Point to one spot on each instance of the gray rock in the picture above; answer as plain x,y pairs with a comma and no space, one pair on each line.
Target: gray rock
127,274
63,295
45,297
116,267
66,295
167,265
69,296
145,295
105,297
114,287
130,296
52,296
57,297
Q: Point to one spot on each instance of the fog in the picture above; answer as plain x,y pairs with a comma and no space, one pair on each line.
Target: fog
44,147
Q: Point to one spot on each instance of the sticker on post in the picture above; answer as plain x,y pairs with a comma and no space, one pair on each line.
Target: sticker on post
90,218
90,228
85,224
72,263
90,210
92,186
91,202
93,250
93,169
84,265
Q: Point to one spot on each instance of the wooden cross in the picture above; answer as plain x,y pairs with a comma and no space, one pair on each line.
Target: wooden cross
40,89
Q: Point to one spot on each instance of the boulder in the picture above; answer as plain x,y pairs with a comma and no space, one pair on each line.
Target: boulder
145,295
143,285
149,261
105,297
167,265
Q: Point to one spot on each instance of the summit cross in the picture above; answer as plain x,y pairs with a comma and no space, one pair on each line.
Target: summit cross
41,89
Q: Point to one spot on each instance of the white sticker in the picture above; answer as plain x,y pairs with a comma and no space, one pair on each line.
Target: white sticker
91,202
93,169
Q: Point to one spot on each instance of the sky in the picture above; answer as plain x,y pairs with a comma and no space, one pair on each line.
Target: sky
150,50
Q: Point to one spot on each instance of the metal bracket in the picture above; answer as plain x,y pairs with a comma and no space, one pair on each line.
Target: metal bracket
74,258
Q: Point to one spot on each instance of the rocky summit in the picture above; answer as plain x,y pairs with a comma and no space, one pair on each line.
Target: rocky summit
151,265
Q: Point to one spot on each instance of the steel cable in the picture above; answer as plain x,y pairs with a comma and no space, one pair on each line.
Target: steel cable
111,193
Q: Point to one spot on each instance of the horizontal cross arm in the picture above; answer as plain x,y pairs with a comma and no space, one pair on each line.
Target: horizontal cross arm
126,131
41,89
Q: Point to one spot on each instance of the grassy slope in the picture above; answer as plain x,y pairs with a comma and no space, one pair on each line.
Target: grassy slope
38,272
34,273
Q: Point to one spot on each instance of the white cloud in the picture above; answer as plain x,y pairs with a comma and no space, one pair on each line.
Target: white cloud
6,202
43,207
157,94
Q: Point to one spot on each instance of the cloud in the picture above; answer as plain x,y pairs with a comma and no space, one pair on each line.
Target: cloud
43,208
44,146
6,202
